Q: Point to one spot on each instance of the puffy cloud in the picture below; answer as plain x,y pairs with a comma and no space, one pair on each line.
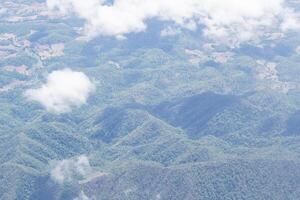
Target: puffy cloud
222,19
67,171
63,90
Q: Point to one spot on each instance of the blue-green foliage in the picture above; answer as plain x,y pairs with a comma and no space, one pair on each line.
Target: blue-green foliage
159,125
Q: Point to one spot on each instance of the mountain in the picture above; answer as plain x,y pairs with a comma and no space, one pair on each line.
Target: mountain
170,113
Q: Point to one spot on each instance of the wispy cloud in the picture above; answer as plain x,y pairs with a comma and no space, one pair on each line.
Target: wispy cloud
63,90
67,171
232,20
82,196
170,31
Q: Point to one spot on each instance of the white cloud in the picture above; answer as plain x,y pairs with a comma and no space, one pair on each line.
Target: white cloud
3,11
67,171
63,90
290,21
238,20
